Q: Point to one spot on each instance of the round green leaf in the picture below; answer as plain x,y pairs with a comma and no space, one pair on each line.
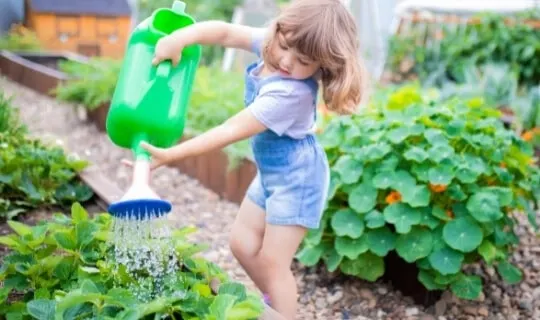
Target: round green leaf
403,181
397,135
441,175
484,207
402,216
350,247
347,222
446,260
509,272
333,259
420,170
363,198
349,169
456,192
440,152
374,219
414,245
376,151
416,154
381,241
435,137
428,219
417,196
467,287
463,234
367,266
466,175
384,179
335,183
428,281
488,251
310,256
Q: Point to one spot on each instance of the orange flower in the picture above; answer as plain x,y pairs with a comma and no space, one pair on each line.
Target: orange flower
527,135
502,165
450,214
437,188
393,197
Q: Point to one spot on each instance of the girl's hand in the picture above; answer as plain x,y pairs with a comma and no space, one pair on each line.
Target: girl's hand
168,48
160,156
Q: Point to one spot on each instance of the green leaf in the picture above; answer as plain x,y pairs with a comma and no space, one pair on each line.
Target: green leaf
484,207
417,196
441,175
374,219
435,137
428,281
414,245
78,213
346,222
367,266
351,248
349,169
333,260
488,251
463,234
85,232
66,240
467,287
440,152
384,179
509,273
310,256
221,306
20,228
381,241
398,134
446,260
42,309
416,154
403,181
234,289
402,216
363,197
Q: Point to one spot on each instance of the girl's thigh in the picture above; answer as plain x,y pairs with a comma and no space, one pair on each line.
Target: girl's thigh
281,243
249,226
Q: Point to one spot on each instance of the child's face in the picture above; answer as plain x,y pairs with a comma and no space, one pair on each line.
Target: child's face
290,62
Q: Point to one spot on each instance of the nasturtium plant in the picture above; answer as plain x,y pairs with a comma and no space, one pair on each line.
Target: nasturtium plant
61,269
438,181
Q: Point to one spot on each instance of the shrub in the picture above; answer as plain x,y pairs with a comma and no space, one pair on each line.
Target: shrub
33,174
92,82
439,182
20,38
60,270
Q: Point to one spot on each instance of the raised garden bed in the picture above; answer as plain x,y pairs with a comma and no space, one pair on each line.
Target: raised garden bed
40,71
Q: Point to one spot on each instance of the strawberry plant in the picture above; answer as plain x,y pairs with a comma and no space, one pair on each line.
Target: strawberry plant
438,181
33,174
61,269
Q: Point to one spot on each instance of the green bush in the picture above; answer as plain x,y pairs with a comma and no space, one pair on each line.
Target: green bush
20,38
436,181
33,174
91,83
60,269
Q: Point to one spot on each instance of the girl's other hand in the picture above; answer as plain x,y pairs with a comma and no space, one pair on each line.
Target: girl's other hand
159,156
168,48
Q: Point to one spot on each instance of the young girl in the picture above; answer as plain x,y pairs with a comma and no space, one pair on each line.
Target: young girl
311,42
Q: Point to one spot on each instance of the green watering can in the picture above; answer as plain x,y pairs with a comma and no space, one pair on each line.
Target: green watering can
150,104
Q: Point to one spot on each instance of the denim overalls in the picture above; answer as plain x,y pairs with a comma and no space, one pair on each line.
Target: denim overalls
292,178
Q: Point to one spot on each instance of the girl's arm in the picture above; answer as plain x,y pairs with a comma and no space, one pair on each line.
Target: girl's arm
214,32
241,126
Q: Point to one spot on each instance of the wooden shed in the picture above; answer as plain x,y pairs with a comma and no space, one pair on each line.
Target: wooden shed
88,27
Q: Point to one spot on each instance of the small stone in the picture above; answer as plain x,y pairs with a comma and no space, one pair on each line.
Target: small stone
526,304
382,290
483,311
481,297
320,303
472,310
336,296
441,318
409,312
440,307
367,294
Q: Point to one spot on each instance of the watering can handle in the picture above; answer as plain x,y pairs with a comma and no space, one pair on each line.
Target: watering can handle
163,70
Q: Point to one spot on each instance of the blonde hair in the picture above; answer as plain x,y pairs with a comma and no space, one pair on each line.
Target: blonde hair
325,32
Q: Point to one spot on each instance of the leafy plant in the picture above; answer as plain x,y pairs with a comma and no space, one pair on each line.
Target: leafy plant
489,37
438,181
92,83
33,174
60,270
20,38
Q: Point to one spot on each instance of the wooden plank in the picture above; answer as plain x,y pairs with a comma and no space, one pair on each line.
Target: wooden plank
102,186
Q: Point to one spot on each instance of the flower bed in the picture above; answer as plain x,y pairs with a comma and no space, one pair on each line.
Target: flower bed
437,182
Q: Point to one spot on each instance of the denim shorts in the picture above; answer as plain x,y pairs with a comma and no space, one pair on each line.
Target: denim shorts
292,179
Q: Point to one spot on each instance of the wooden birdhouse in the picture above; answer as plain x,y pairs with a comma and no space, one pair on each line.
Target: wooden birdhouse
88,27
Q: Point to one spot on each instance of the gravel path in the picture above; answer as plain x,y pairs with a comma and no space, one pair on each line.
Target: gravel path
322,295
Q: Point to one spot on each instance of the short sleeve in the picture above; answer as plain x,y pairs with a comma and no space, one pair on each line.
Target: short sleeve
280,104
257,39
